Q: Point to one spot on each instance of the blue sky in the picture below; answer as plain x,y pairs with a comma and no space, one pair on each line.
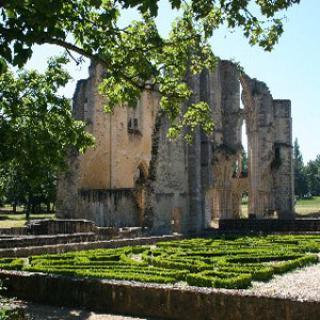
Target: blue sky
291,70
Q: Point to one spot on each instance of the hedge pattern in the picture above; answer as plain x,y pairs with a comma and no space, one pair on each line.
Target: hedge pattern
231,263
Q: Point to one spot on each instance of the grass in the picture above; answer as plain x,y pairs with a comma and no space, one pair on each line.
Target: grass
308,207
305,208
244,211
231,263
8,219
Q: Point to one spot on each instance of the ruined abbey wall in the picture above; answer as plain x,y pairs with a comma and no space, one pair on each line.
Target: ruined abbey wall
136,176
269,132
100,185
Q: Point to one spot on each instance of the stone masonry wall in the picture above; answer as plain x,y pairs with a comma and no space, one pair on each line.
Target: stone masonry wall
136,176
101,185
147,300
193,182
283,169
109,207
269,153
228,145
167,193
258,104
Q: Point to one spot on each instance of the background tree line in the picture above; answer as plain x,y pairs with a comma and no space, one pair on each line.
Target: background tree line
306,176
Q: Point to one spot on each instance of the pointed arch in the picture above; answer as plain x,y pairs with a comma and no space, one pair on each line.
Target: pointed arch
140,181
141,173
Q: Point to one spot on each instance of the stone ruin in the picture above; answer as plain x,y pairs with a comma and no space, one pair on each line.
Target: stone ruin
136,176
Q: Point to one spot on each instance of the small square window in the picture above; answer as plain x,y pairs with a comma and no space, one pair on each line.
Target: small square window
133,125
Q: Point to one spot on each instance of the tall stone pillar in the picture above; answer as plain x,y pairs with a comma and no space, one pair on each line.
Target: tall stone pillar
283,188
208,91
253,147
259,117
196,212
227,145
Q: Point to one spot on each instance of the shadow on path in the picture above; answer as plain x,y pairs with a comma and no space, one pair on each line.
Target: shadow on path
41,312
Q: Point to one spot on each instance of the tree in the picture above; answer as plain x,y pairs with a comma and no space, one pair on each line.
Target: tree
36,130
136,57
313,176
12,187
300,177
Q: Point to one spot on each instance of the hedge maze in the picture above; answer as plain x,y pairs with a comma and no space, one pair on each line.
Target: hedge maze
231,263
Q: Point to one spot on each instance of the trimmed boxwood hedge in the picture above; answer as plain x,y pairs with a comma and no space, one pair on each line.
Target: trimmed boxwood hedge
230,262
220,280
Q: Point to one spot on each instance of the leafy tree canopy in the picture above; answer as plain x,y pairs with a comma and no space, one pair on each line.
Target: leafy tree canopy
312,171
136,57
36,127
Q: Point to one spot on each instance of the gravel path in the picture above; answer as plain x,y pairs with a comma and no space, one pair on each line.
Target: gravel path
302,284
41,312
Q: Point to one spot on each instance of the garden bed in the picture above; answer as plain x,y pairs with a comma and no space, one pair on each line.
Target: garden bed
161,301
202,278
231,263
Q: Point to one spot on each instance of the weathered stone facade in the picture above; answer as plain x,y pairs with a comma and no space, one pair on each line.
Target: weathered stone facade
135,176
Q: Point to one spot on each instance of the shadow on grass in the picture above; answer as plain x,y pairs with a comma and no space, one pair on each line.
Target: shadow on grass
314,215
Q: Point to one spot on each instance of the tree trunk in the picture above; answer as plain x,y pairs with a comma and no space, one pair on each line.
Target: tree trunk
14,207
28,208
33,206
28,211
48,207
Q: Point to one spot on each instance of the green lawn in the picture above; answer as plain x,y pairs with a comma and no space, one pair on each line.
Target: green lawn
11,220
304,208
308,208
219,262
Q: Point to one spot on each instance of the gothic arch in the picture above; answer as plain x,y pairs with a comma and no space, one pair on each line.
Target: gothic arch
139,186
142,173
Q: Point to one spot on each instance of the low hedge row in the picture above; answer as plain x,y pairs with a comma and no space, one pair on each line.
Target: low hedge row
220,280
263,273
107,274
286,266
11,263
176,274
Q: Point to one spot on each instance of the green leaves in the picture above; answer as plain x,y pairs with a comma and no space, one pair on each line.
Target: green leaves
36,126
145,6
198,114
144,59
3,66
136,57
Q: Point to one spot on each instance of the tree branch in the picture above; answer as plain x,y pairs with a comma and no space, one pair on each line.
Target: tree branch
93,57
